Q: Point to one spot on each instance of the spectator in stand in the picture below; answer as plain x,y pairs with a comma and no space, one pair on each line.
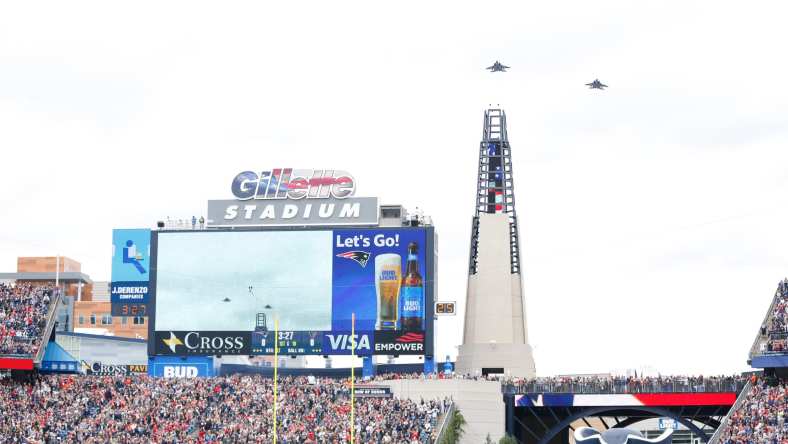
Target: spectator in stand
23,311
760,418
233,409
776,327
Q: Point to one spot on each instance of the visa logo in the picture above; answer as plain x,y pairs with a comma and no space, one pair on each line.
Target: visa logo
345,342
180,371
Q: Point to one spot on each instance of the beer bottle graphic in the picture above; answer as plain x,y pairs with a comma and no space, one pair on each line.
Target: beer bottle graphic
412,293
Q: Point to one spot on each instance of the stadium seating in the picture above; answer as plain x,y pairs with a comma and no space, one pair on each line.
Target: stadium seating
760,418
772,337
23,316
231,409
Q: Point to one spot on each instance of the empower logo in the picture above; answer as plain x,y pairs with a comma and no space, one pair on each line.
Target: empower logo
399,343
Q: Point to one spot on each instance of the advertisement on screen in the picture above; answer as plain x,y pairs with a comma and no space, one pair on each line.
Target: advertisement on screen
297,290
129,290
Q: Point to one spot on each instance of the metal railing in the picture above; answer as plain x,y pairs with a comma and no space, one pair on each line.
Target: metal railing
445,422
624,387
715,438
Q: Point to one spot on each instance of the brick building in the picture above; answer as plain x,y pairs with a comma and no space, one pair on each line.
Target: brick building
45,270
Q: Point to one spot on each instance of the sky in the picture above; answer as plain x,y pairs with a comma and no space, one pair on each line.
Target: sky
652,214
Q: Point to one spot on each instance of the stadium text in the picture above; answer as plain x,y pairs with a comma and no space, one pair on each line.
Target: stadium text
248,212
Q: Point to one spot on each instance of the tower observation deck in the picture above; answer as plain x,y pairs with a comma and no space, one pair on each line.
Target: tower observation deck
495,339
495,187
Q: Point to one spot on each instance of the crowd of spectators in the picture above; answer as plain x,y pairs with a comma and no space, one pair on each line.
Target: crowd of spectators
230,409
596,383
775,330
626,384
23,311
760,418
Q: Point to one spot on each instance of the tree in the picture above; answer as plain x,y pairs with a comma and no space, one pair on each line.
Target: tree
455,429
508,439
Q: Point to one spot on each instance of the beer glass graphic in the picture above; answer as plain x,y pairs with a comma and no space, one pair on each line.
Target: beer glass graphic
388,271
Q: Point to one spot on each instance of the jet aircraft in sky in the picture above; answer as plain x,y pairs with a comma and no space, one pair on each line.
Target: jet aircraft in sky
497,67
596,84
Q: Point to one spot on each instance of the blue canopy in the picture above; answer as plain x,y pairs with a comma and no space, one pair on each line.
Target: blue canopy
57,360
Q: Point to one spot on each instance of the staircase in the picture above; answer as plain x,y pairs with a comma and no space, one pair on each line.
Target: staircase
480,403
715,439
50,325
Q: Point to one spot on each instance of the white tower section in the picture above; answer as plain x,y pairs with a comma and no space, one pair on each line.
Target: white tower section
495,339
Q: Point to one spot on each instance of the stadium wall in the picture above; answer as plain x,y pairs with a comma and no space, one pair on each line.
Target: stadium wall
480,402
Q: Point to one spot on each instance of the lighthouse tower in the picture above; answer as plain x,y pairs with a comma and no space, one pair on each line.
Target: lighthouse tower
495,339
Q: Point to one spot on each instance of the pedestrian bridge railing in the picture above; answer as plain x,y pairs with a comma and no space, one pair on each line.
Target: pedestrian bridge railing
624,387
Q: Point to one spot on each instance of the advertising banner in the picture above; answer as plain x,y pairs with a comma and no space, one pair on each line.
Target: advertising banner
373,391
234,284
378,274
173,367
130,270
99,369
184,343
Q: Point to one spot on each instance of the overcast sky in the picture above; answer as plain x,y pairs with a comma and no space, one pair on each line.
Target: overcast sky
652,215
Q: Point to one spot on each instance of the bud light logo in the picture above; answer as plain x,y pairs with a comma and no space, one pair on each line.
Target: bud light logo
388,275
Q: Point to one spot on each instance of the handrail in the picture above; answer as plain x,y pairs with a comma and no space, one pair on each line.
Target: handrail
50,325
445,422
715,438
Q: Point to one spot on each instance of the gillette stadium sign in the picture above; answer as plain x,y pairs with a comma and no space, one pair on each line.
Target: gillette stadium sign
293,197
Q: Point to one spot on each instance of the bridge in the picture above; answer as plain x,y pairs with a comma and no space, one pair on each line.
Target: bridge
547,413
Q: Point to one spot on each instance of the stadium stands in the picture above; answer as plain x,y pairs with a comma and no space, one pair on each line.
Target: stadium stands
773,334
760,417
233,409
23,316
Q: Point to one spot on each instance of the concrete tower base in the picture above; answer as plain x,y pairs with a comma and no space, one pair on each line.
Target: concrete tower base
515,359
495,335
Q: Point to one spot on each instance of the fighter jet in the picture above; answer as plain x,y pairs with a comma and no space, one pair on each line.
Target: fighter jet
596,84
497,67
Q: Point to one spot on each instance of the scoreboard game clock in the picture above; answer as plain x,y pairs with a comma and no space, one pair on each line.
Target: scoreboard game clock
290,342
132,309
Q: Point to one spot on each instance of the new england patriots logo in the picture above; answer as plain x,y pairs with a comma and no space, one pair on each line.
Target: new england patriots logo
362,257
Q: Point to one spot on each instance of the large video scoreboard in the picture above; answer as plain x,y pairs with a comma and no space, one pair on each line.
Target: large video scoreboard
242,291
